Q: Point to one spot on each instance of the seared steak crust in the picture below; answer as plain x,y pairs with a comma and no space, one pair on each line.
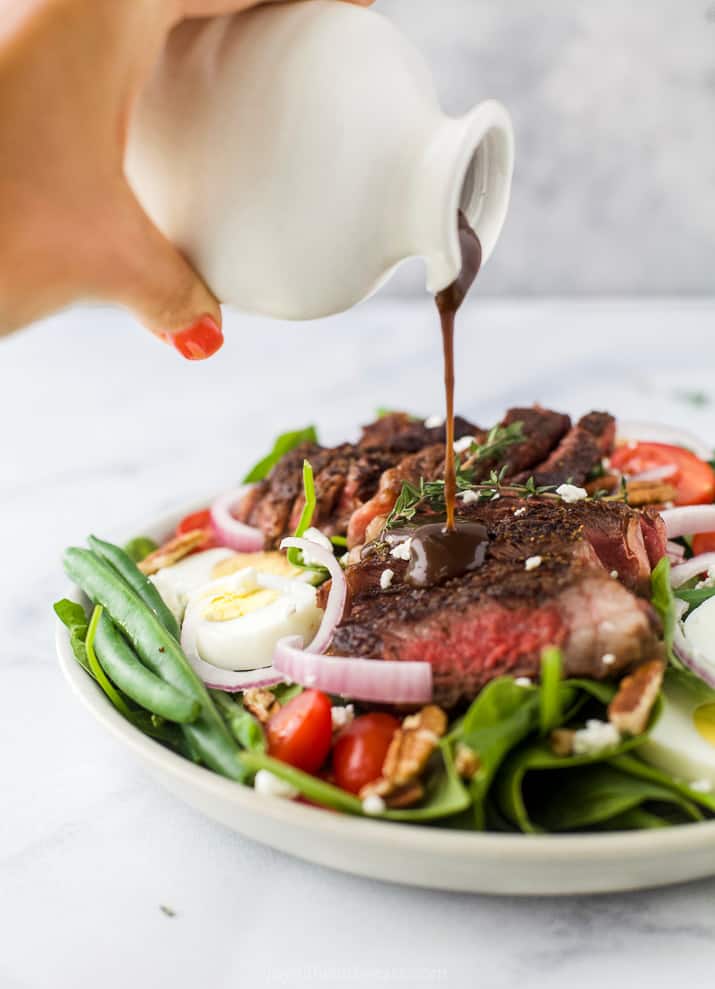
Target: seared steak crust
357,484
497,619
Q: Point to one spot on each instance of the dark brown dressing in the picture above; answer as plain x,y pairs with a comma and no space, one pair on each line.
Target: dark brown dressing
438,553
448,302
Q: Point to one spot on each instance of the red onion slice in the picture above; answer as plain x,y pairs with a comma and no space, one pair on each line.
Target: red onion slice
219,678
688,520
674,551
232,533
337,595
382,681
691,568
655,432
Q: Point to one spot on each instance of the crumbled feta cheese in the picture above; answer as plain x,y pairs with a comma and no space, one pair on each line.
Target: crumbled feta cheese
631,444
495,497
432,422
523,681
401,551
532,563
519,511
469,497
606,463
614,574
463,444
608,659
595,738
701,786
669,504
571,492
373,804
386,578
341,716
310,679
270,785
314,535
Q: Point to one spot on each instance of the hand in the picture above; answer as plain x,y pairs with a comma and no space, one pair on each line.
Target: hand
70,225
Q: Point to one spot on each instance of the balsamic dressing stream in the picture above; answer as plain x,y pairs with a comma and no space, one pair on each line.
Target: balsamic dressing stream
439,550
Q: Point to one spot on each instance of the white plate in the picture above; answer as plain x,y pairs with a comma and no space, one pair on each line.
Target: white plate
420,856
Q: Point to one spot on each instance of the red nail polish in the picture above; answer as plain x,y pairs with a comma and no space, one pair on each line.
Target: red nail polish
199,341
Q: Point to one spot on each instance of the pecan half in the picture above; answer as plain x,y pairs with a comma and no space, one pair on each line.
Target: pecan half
561,741
411,746
630,708
173,551
261,703
466,761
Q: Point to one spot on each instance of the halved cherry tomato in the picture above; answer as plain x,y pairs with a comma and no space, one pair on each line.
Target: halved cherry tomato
360,750
704,542
692,478
301,732
199,520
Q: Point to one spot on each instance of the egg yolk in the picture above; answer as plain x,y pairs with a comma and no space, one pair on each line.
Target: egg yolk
274,563
225,607
704,719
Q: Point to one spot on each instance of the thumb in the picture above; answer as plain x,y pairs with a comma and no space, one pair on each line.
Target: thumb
153,279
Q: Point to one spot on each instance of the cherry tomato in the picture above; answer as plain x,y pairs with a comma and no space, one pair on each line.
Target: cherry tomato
198,520
692,478
360,750
301,732
704,542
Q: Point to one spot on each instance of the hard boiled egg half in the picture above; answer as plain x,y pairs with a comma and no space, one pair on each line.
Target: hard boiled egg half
177,582
682,741
235,622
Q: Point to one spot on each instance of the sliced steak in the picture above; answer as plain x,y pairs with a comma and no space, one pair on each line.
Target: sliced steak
402,433
497,619
578,454
541,428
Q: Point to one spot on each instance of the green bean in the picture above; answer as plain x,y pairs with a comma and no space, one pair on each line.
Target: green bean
96,668
121,663
244,727
138,581
160,651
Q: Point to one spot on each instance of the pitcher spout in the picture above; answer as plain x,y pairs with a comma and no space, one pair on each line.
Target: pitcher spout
467,165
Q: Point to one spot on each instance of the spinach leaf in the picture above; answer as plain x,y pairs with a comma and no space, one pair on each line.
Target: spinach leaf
635,819
501,716
664,603
694,596
140,547
585,799
632,764
73,616
309,786
445,794
282,445
520,799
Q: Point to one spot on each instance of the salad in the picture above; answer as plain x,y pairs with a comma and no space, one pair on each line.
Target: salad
562,678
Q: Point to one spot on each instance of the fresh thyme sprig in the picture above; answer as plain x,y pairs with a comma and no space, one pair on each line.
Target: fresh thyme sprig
499,438
429,495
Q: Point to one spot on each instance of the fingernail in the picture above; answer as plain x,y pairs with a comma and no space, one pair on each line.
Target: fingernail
199,341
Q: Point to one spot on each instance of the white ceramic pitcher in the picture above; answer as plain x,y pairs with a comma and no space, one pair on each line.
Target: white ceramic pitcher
297,153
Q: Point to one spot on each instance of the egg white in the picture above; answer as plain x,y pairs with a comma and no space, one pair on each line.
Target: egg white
675,744
177,582
247,641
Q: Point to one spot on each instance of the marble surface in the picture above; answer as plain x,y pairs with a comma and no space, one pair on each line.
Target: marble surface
102,425
613,106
